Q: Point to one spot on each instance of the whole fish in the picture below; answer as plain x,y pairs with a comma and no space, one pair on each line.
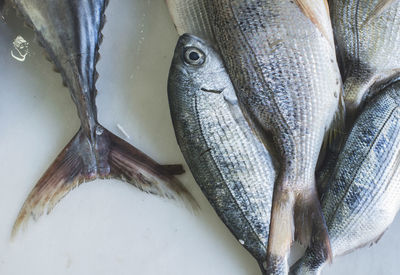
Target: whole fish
363,192
70,32
230,164
281,58
367,36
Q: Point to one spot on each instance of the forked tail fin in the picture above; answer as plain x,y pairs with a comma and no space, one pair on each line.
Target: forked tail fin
112,158
299,215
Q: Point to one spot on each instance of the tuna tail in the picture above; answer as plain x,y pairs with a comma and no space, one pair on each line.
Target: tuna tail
308,221
114,158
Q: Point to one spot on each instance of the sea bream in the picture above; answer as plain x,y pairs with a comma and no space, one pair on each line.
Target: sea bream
70,32
367,36
362,196
228,161
281,58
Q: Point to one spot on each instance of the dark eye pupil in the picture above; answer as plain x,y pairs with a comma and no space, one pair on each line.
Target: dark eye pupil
194,56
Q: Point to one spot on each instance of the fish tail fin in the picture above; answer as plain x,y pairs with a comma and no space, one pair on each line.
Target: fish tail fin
310,226
280,233
111,157
133,166
64,174
297,215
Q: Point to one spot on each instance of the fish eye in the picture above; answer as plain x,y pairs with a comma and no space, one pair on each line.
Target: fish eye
194,56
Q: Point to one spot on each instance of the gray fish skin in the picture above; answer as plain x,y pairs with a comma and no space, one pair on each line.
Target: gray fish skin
281,59
70,33
367,36
230,164
363,194
190,16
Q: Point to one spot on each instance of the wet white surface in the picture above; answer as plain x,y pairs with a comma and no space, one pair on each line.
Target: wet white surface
106,226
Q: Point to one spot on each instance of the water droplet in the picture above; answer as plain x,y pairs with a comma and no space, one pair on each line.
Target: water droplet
99,130
241,242
21,47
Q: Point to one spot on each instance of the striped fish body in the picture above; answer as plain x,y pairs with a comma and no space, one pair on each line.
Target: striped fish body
363,192
232,167
367,35
281,59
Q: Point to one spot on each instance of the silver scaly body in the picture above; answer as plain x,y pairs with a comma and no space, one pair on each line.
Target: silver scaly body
367,35
281,59
363,192
230,164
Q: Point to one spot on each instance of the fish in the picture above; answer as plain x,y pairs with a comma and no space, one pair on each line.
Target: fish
362,196
70,33
367,34
280,56
228,161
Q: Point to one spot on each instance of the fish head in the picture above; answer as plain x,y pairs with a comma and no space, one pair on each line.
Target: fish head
197,68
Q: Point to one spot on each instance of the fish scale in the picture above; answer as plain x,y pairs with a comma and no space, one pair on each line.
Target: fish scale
281,59
368,41
230,164
363,192
190,16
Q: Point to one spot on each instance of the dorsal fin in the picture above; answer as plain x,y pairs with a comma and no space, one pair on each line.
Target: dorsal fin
380,7
318,13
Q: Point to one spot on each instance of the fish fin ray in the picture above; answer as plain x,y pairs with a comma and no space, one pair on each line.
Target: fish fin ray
319,16
380,8
280,233
131,165
63,175
117,159
310,226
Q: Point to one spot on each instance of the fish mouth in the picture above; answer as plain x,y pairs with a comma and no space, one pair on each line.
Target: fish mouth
214,91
